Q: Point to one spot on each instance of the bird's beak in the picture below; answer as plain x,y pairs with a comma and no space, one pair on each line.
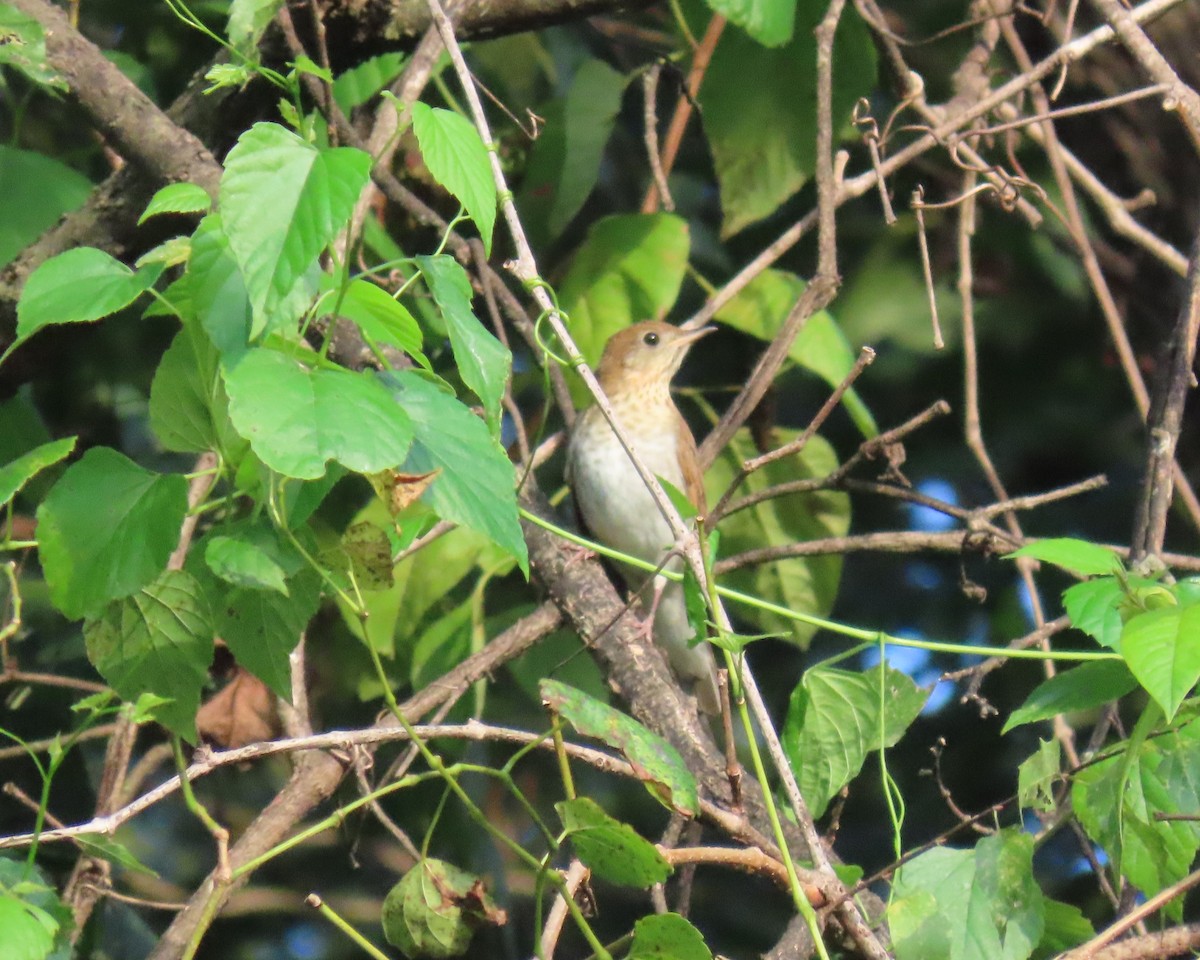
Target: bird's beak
688,337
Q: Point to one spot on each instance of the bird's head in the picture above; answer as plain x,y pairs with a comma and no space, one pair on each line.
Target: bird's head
645,356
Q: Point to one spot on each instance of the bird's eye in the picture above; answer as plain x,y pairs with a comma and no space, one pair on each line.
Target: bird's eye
650,339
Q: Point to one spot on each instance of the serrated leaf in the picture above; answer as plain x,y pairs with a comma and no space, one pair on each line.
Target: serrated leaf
283,201
244,564
189,411
834,722
14,476
1084,687
1078,556
1066,927
91,556
248,20
484,363
37,190
79,286
217,290
435,908
177,198
612,850
667,936
656,763
381,318
159,640
1162,648
458,160
298,419
477,483
1094,608
361,82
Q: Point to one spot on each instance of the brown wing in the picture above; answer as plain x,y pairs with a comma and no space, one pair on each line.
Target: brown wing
689,460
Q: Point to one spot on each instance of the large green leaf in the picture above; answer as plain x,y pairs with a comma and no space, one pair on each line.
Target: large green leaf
37,190
1117,799
381,318
835,721
361,82
1094,608
769,22
458,160
629,268
612,850
189,411
1084,687
14,476
565,160
667,936
106,529
298,419
217,289
760,110
1162,648
177,198
821,347
1078,556
78,286
807,584
282,201
484,363
655,761
968,905
160,641
476,485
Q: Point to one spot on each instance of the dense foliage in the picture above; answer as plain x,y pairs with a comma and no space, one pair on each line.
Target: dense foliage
303,652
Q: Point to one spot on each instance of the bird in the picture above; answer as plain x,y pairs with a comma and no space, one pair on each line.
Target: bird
635,372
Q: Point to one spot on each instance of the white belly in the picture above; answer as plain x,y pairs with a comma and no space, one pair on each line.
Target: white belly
612,498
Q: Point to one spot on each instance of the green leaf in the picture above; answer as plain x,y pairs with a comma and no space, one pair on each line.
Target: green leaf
1116,801
1162,648
760,109
262,627
564,163
667,936
189,411
458,160
477,483
968,905
298,419
23,47
1094,608
14,476
248,20
381,318
761,309
833,723
217,289
629,268
1084,687
1078,556
435,908
37,190
484,363
78,286
769,22
282,201
31,912
160,640
800,583
177,198
29,932
244,564
1066,927
101,847
1038,775
360,83
658,764
91,556
611,849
